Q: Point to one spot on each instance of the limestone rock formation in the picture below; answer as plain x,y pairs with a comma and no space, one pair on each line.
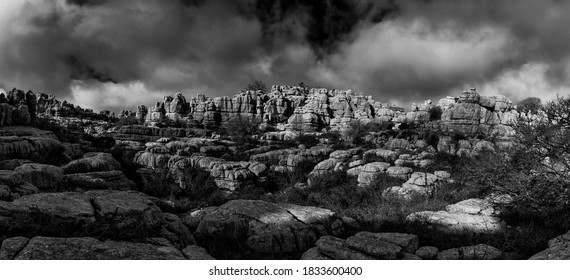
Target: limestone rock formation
91,213
85,248
43,176
92,163
28,143
262,228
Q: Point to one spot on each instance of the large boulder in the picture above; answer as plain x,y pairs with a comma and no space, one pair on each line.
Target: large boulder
43,176
232,175
92,163
47,213
126,212
259,228
371,171
94,213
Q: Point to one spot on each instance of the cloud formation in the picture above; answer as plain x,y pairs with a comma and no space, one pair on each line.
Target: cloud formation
119,54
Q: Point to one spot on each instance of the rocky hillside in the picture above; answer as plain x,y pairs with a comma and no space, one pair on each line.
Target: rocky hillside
316,177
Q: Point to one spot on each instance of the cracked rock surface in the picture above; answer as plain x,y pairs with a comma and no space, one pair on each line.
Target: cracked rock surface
260,228
88,248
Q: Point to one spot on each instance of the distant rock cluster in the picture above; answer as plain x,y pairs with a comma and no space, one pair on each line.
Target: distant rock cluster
300,108
21,108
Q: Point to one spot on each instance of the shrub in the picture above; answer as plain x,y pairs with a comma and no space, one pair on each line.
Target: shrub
241,130
435,113
308,140
256,85
539,166
357,131
532,104
192,188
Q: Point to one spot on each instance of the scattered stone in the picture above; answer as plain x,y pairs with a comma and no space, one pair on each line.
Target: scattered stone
427,252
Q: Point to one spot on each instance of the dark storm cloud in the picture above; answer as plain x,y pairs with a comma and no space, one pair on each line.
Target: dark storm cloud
118,54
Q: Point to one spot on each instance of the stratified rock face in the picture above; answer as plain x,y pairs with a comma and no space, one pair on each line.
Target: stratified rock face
92,163
17,107
558,249
28,143
263,228
300,107
87,248
472,114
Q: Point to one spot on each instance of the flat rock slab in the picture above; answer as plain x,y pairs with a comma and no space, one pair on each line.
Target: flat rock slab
458,222
87,248
474,206
54,213
126,209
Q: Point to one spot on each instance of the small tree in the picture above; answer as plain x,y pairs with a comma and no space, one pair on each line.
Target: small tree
532,104
541,166
242,130
435,113
257,85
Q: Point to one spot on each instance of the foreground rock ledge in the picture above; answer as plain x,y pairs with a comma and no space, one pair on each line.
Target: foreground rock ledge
257,228
87,248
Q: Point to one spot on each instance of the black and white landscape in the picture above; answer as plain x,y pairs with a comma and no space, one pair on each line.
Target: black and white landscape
299,129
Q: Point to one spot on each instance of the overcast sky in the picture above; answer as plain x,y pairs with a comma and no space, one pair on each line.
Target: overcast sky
105,54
